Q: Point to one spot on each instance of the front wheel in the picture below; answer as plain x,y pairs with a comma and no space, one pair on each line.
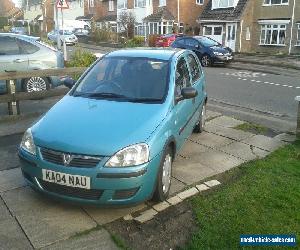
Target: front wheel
199,128
206,60
163,182
35,84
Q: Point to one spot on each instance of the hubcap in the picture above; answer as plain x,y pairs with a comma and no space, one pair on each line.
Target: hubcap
203,116
205,60
36,84
166,175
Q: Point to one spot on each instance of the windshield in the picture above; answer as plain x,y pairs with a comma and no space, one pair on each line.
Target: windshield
126,78
207,42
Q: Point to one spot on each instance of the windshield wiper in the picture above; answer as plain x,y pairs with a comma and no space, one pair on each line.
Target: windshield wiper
100,95
145,100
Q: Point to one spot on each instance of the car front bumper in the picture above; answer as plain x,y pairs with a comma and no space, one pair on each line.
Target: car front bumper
223,59
109,186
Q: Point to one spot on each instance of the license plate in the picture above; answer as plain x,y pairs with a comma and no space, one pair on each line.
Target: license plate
69,180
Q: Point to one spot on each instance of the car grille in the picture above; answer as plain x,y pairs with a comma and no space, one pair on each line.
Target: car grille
88,194
75,160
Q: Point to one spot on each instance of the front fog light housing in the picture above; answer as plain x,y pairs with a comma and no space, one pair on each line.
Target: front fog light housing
27,143
133,155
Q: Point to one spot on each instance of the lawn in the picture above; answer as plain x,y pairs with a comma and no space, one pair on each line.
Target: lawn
259,197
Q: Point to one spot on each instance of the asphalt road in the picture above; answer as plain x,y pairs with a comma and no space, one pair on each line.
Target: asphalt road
254,92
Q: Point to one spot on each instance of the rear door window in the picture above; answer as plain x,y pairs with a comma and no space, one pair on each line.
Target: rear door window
8,46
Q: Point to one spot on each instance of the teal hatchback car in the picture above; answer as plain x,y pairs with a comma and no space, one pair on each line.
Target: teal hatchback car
113,138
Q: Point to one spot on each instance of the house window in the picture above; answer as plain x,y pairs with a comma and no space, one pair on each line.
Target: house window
110,5
122,4
200,2
160,27
139,30
162,2
248,34
181,28
298,35
139,3
276,2
273,34
216,4
92,4
81,3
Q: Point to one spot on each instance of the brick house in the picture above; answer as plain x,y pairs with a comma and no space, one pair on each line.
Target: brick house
9,10
229,22
276,26
107,14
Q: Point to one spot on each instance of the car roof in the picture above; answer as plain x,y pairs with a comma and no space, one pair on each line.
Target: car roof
155,53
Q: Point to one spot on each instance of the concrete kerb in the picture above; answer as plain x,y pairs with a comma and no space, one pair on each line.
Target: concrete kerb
150,213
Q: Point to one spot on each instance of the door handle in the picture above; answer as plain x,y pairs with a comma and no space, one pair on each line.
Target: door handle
19,61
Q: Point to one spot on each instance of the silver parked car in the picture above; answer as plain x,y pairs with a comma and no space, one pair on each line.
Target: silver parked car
23,53
65,35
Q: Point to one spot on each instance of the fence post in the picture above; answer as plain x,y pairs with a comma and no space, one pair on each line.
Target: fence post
297,98
13,107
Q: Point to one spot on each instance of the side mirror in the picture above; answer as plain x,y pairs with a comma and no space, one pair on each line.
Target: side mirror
68,82
187,93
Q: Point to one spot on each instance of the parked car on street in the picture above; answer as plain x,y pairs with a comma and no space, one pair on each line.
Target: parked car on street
23,53
166,40
65,35
19,30
122,124
208,50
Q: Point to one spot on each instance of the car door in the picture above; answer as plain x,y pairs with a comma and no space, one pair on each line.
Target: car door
11,57
178,43
197,82
183,109
194,45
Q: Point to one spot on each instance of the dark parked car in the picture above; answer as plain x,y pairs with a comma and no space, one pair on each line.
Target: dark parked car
208,50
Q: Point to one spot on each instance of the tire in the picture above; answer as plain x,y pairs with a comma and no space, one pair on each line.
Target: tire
163,182
206,60
35,84
199,128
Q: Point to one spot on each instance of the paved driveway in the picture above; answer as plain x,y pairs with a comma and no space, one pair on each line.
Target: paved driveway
30,220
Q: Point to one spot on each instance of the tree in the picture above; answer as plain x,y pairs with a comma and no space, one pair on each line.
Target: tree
127,21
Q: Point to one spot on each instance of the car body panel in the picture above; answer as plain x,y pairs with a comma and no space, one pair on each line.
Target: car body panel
103,127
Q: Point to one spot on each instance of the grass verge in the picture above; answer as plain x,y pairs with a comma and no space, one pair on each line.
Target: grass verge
251,127
259,197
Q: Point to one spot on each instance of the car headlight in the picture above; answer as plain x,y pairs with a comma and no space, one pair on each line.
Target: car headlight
218,53
133,155
27,142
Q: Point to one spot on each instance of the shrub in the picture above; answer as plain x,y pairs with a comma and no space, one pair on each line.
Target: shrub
3,22
151,40
137,41
81,58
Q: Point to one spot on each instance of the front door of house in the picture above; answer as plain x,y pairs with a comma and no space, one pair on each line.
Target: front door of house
230,35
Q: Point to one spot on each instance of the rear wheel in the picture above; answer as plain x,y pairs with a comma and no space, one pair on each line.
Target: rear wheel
206,60
163,182
35,84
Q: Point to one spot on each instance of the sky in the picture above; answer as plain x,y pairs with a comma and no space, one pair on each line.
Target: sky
17,2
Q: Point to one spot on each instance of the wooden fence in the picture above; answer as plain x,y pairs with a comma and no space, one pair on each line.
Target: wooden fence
13,98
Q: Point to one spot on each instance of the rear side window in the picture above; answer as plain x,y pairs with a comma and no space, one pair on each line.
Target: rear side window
180,42
194,67
182,79
27,47
191,42
8,46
